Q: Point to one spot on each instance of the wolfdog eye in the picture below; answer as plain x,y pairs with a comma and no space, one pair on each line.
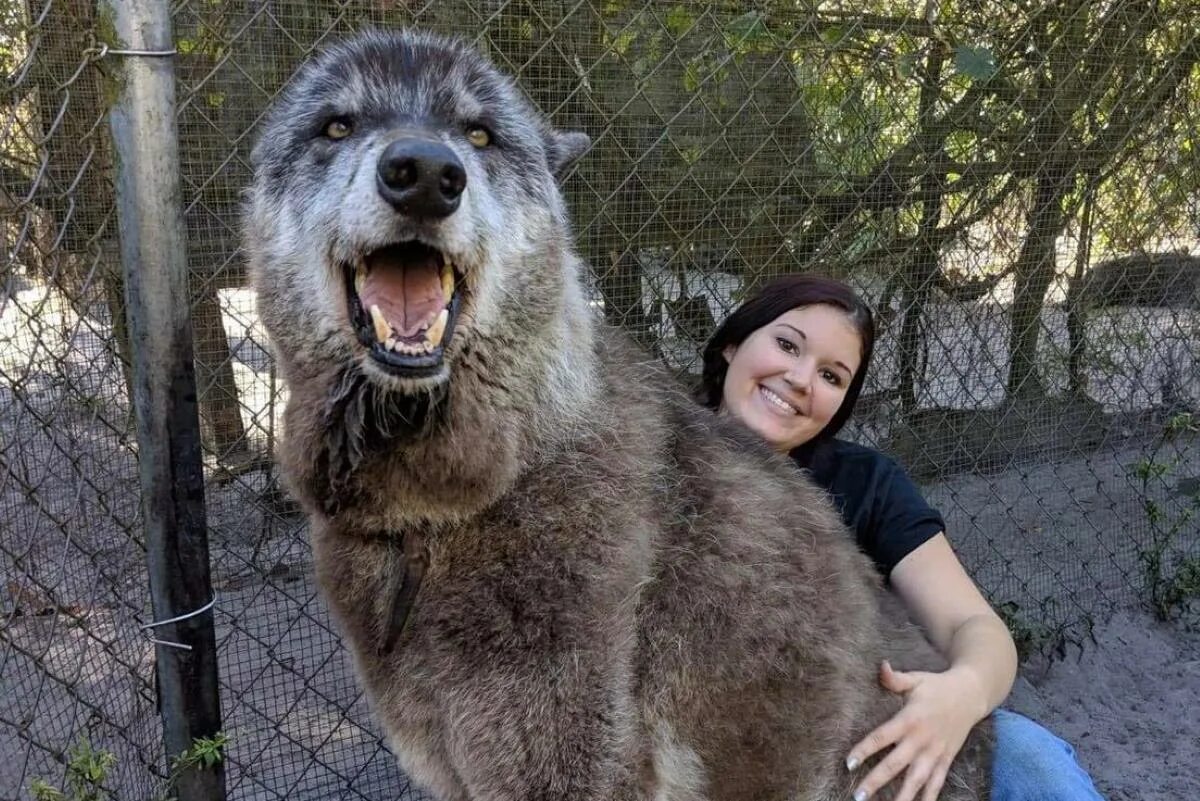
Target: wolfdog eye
338,128
479,136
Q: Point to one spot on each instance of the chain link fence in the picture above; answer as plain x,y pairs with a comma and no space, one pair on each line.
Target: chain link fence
1013,186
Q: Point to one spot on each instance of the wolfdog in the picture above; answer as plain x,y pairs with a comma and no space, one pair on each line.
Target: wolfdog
558,576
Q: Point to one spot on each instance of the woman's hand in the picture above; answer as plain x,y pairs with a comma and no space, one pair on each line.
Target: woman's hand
925,736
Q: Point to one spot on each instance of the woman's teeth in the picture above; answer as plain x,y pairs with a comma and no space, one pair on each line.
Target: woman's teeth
777,401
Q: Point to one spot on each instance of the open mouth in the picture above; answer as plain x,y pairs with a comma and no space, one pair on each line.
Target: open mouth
404,302
777,401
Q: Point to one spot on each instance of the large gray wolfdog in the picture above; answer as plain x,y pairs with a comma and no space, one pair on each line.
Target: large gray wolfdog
560,578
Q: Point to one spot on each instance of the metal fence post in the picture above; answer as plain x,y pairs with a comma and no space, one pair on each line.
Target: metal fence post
172,478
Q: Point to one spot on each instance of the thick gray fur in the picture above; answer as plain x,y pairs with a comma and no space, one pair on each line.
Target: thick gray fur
624,597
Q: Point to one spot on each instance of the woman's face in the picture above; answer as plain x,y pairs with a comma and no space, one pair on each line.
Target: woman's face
787,379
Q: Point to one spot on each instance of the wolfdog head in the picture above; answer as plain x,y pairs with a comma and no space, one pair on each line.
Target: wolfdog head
404,210
414,268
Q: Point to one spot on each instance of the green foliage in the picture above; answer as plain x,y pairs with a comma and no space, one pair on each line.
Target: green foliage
976,62
1028,634
41,790
1033,636
679,20
747,32
1173,582
204,753
88,768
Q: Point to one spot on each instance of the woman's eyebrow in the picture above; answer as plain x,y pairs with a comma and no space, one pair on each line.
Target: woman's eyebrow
799,333
802,335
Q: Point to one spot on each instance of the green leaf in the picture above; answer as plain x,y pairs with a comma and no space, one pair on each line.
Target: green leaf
833,35
1183,421
745,30
679,21
623,41
692,75
43,791
977,63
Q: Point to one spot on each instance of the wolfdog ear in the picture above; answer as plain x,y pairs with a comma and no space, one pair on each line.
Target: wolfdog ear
564,147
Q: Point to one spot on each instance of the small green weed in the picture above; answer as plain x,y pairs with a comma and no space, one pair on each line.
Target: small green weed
1173,583
88,768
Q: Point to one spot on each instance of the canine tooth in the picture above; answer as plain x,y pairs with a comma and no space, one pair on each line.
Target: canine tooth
434,335
360,275
390,344
382,329
447,281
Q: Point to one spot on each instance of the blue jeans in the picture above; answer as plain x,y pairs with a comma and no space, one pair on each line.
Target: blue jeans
1031,764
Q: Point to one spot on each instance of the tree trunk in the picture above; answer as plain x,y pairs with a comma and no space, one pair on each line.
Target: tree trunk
220,405
1034,272
925,261
1076,313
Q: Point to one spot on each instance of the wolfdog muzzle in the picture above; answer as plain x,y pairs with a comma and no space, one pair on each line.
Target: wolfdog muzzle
403,297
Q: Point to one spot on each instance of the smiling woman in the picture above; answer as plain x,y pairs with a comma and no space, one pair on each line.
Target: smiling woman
789,364
787,380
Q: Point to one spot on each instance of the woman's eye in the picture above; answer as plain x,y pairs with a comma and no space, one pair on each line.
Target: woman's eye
832,377
479,136
338,128
785,345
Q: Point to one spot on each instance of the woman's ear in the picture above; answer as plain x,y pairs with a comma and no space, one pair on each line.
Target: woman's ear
728,353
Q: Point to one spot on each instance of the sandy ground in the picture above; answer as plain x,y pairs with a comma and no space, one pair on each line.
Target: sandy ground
1129,703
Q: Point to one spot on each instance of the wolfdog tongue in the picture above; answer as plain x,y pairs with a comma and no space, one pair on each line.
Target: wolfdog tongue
406,283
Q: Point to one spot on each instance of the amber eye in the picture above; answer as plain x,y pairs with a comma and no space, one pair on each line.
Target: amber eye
338,128
479,136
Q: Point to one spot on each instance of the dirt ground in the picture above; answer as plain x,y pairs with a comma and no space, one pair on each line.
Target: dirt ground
1129,703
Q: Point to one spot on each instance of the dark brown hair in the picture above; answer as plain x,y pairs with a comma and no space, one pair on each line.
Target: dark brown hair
779,296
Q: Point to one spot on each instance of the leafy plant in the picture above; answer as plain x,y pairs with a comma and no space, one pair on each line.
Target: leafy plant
204,753
1030,636
1172,584
88,768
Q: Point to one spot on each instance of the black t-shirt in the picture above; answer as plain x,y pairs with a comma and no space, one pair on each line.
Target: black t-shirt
877,500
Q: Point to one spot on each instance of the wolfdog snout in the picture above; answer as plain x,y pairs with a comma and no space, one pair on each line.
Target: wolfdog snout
421,178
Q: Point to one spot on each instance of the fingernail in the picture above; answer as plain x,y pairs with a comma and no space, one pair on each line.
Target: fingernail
851,764
860,795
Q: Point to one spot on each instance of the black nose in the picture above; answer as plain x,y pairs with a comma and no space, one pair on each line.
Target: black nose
421,178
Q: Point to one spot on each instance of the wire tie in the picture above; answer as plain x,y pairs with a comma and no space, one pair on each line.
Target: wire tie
176,619
105,50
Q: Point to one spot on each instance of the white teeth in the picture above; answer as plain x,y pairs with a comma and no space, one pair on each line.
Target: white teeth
433,337
447,281
382,329
360,275
390,344
410,348
778,401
